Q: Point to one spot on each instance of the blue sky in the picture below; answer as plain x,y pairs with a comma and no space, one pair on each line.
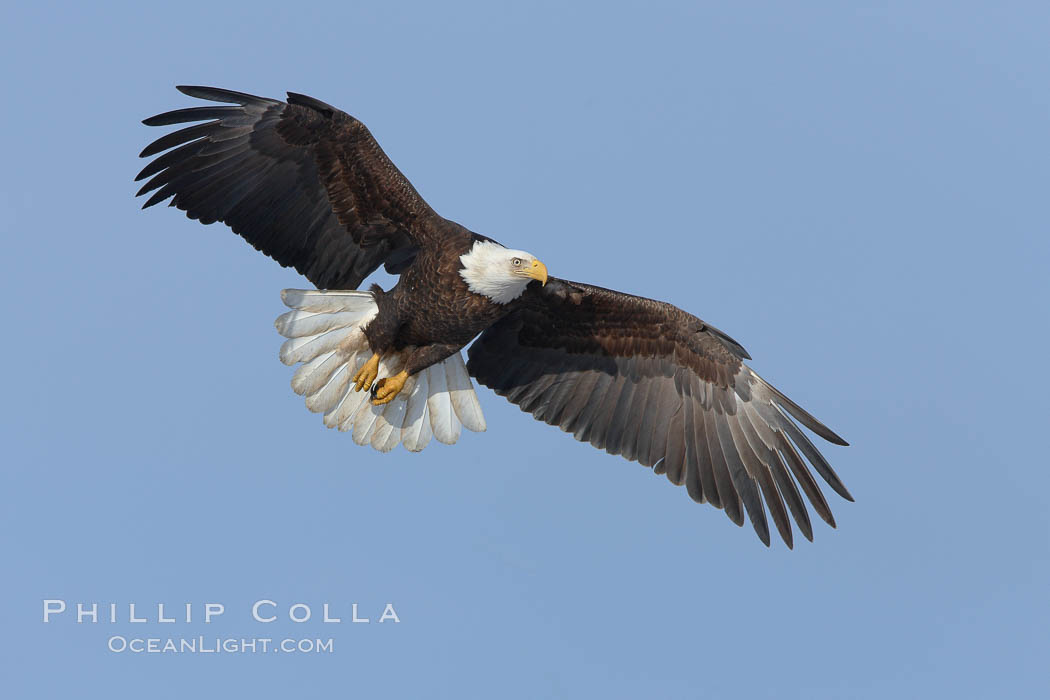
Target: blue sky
857,192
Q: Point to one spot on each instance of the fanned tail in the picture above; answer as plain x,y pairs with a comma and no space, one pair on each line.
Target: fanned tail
325,332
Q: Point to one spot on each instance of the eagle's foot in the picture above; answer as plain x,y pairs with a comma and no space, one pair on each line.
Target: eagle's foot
387,388
367,374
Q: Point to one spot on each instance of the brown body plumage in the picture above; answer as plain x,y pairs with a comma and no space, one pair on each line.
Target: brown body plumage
308,185
430,310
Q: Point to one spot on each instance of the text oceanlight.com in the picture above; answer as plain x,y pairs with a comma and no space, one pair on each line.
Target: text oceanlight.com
218,645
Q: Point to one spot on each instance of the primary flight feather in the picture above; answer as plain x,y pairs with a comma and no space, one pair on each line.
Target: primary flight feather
308,186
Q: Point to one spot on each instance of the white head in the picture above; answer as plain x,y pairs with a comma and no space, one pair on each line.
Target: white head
500,273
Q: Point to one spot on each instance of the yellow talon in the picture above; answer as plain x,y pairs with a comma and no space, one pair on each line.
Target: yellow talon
388,388
367,374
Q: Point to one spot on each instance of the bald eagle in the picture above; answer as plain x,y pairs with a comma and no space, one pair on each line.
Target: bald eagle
310,187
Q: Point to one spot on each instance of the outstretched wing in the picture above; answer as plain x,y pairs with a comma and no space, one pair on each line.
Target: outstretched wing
301,181
648,381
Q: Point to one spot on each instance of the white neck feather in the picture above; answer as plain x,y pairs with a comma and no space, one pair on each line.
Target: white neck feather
486,271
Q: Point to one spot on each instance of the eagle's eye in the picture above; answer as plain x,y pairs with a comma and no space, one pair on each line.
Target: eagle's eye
516,262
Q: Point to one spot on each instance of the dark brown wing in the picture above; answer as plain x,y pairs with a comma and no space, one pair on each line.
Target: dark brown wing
301,181
648,381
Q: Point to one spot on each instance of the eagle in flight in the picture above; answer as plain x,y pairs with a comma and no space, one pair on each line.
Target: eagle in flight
308,185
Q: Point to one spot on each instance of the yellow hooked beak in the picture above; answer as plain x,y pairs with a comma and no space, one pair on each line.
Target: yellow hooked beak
538,271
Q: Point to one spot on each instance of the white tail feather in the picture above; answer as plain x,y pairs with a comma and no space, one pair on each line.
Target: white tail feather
464,400
365,423
328,302
312,375
417,432
296,324
310,346
442,416
326,334
338,413
388,426
327,396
